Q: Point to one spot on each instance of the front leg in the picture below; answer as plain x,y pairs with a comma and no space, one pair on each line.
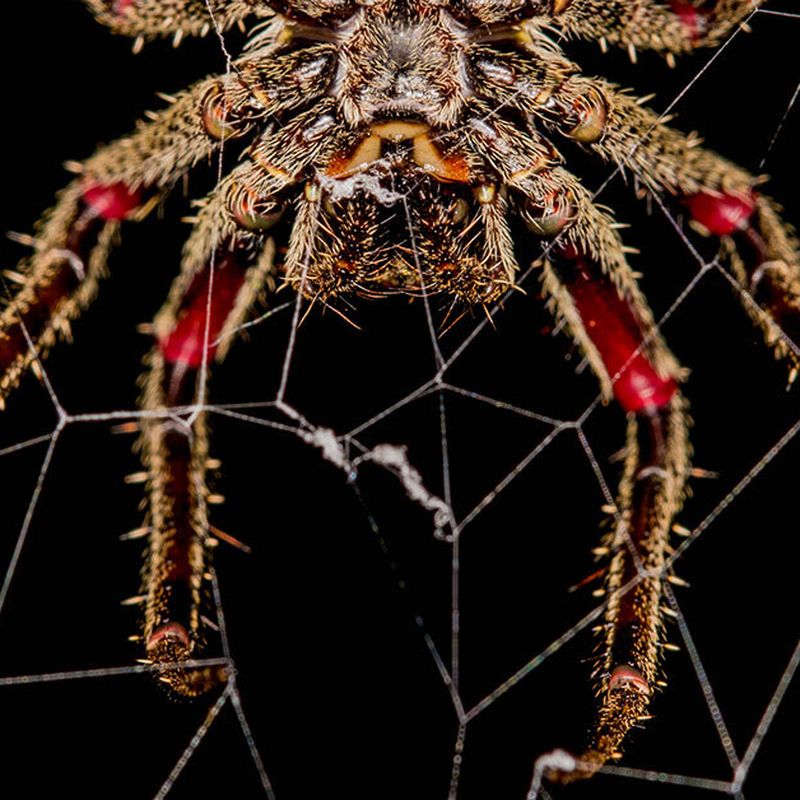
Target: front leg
650,494
227,265
121,181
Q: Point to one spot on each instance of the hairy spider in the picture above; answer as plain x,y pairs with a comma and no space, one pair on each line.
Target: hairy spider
389,144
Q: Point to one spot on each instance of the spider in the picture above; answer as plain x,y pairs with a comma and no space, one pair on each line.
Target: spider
388,147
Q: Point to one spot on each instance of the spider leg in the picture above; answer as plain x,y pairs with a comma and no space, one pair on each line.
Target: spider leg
627,671
195,325
551,201
594,292
719,196
227,263
650,494
152,18
123,180
671,27
73,241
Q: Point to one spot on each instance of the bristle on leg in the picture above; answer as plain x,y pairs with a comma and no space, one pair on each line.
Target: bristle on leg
175,453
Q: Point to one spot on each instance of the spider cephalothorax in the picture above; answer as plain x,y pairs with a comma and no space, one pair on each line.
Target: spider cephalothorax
389,146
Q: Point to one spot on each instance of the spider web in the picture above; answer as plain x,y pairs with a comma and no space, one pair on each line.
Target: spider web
418,505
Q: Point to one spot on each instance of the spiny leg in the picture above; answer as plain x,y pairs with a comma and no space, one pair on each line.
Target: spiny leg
588,276
765,257
671,26
61,278
227,234
225,266
151,18
594,292
174,449
209,301
552,202
122,181
650,493
73,241
720,198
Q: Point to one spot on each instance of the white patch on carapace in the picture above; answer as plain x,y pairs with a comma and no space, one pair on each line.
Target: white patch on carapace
366,182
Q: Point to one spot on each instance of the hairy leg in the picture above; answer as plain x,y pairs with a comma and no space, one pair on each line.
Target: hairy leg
152,18
650,494
671,26
124,180
720,198
228,261
593,291
195,326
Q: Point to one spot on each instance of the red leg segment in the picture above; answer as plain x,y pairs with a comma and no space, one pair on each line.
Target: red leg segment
650,494
185,343
764,257
617,334
175,451
70,258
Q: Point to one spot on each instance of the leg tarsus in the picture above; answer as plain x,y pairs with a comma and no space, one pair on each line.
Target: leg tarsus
650,495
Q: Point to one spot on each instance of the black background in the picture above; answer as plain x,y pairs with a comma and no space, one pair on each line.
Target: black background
336,679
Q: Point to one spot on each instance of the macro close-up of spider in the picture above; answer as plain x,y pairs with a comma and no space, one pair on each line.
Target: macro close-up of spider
434,151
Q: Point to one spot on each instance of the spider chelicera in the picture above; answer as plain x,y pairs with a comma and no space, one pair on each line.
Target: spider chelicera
386,147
